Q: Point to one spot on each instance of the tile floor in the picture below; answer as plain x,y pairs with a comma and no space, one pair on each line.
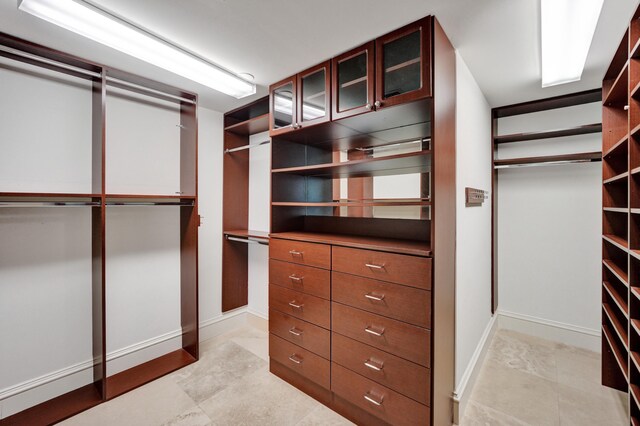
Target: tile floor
524,381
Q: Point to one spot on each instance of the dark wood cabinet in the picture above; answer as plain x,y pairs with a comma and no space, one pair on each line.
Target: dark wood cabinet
353,82
283,98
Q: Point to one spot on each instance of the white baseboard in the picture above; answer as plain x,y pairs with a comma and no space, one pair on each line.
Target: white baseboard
569,334
34,391
463,390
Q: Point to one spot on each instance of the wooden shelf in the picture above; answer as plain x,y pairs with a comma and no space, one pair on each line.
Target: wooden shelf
414,162
635,171
621,359
618,93
142,199
144,373
354,82
635,325
617,241
549,159
416,248
619,328
251,126
548,134
635,50
635,130
635,253
562,101
635,358
46,197
619,301
634,211
244,233
635,393
619,273
356,203
403,65
616,209
634,92
635,291
617,148
616,178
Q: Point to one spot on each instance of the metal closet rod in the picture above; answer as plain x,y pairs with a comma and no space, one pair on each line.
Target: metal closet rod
48,204
247,240
149,203
242,148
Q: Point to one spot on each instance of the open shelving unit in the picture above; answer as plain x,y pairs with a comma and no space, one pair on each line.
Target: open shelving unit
101,81
239,125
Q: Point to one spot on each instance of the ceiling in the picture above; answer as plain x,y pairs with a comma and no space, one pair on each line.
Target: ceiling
499,40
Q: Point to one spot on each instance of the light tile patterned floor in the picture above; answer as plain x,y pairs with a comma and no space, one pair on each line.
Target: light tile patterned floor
530,381
524,381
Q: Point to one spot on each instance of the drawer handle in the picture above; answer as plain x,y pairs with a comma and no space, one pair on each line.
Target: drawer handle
295,253
374,296
368,363
296,279
373,266
296,332
370,330
372,400
295,358
296,305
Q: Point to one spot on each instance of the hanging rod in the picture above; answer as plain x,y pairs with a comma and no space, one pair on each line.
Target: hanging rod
241,148
393,145
247,240
116,82
47,61
552,160
48,204
149,203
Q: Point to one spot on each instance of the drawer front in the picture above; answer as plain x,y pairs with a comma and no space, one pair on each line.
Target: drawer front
388,370
376,399
397,268
404,340
303,362
318,255
303,306
306,279
391,300
311,337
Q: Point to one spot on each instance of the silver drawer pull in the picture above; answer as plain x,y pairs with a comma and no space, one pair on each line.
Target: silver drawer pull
295,332
295,253
295,358
370,330
296,305
296,279
372,400
368,363
374,266
374,296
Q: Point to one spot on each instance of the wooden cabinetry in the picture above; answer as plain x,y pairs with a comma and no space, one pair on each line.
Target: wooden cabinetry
302,100
102,198
362,230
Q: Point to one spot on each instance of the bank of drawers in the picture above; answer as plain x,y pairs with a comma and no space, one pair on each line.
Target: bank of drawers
356,322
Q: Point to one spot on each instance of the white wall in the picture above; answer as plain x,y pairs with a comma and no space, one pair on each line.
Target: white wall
259,220
473,224
550,226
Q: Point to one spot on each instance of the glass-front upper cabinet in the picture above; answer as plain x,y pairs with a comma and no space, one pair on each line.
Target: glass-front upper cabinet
353,81
283,101
403,64
314,95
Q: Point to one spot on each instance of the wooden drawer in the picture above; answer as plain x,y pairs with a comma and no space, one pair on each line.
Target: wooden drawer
306,279
376,399
318,255
413,271
303,306
391,300
395,373
404,340
302,333
303,362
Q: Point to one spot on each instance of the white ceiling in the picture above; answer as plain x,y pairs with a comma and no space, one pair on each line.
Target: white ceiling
272,39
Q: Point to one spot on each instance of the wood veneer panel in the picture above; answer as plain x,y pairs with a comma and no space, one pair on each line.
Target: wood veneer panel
300,360
57,409
144,373
251,126
189,280
549,134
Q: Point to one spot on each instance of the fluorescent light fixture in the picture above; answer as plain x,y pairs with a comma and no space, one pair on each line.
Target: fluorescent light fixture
567,28
98,25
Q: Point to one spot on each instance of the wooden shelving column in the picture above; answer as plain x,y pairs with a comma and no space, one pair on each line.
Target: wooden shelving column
239,125
103,386
621,220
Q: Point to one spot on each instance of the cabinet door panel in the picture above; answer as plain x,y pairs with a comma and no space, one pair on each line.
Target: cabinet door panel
282,100
353,82
314,95
403,64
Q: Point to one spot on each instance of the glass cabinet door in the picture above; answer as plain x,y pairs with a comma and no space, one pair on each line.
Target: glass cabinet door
403,64
353,83
283,106
313,103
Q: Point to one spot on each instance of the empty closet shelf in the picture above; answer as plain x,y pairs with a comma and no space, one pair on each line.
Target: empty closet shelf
548,134
619,300
584,157
619,273
251,126
621,359
620,242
